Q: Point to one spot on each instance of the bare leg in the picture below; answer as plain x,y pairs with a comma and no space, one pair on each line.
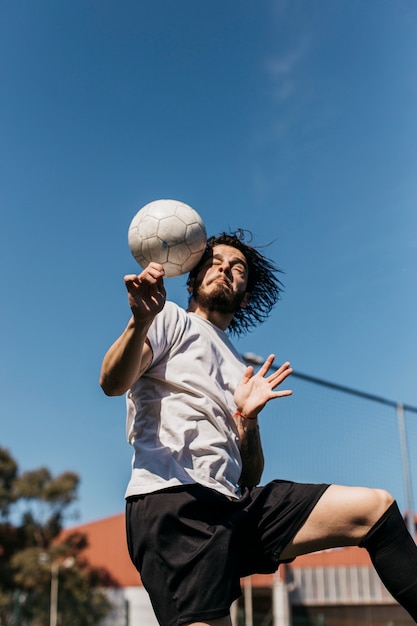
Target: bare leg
370,518
346,516
342,517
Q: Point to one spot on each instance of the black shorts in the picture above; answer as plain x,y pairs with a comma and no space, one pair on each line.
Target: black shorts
192,545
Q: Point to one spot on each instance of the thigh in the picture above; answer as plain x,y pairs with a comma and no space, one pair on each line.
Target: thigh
184,554
341,517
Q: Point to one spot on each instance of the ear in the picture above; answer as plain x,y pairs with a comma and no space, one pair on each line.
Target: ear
245,300
190,287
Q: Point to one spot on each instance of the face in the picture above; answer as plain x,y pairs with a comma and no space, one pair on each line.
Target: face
222,280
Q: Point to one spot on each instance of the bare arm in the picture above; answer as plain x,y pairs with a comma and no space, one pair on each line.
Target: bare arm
130,354
251,395
250,451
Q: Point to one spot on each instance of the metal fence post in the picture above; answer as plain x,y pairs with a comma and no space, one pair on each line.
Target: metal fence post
406,468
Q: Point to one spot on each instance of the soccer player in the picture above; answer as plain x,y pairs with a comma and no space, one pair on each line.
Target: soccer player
196,519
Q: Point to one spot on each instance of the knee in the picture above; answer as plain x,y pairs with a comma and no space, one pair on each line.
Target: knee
379,501
384,499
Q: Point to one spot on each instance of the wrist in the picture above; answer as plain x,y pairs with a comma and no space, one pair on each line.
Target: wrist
140,324
245,416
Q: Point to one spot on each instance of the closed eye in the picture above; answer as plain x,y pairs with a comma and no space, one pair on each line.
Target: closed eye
239,267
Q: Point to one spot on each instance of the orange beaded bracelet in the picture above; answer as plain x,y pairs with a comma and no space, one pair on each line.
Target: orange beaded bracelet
246,417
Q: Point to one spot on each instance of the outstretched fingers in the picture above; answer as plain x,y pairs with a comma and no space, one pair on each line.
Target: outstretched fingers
280,373
248,373
266,365
277,377
255,390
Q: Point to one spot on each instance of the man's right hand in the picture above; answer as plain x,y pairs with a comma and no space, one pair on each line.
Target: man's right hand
146,292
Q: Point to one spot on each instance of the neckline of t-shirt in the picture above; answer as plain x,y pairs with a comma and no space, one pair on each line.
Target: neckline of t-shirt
198,317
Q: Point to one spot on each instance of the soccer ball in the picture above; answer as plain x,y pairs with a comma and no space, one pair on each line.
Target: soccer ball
168,232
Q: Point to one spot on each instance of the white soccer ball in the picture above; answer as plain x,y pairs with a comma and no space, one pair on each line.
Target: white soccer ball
168,232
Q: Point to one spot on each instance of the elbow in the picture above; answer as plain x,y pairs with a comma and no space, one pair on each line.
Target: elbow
111,388
250,479
252,473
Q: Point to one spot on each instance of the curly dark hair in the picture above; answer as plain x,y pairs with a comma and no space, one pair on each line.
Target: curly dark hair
263,285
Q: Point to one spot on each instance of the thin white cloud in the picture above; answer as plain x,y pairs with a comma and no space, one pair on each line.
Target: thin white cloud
281,71
285,65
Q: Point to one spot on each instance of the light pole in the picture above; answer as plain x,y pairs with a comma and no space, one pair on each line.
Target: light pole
55,565
53,613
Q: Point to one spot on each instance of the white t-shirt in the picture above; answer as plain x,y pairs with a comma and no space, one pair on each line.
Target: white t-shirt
179,413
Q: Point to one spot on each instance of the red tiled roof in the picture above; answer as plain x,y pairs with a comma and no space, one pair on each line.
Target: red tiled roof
107,548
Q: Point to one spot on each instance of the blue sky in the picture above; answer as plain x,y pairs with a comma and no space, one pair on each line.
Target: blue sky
293,119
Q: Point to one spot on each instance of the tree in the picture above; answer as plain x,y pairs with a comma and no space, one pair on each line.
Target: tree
33,505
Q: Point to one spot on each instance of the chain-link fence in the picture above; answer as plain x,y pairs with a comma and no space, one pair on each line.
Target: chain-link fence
330,433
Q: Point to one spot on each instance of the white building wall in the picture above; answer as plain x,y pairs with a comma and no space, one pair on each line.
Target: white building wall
140,607
131,607
357,585
337,585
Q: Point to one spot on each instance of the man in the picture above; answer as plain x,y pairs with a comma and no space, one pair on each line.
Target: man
196,522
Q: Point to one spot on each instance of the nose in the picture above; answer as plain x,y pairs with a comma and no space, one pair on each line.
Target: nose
225,267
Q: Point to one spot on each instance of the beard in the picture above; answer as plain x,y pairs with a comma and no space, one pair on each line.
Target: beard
221,298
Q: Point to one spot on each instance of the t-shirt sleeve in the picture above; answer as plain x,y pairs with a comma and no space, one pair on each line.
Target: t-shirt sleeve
165,331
